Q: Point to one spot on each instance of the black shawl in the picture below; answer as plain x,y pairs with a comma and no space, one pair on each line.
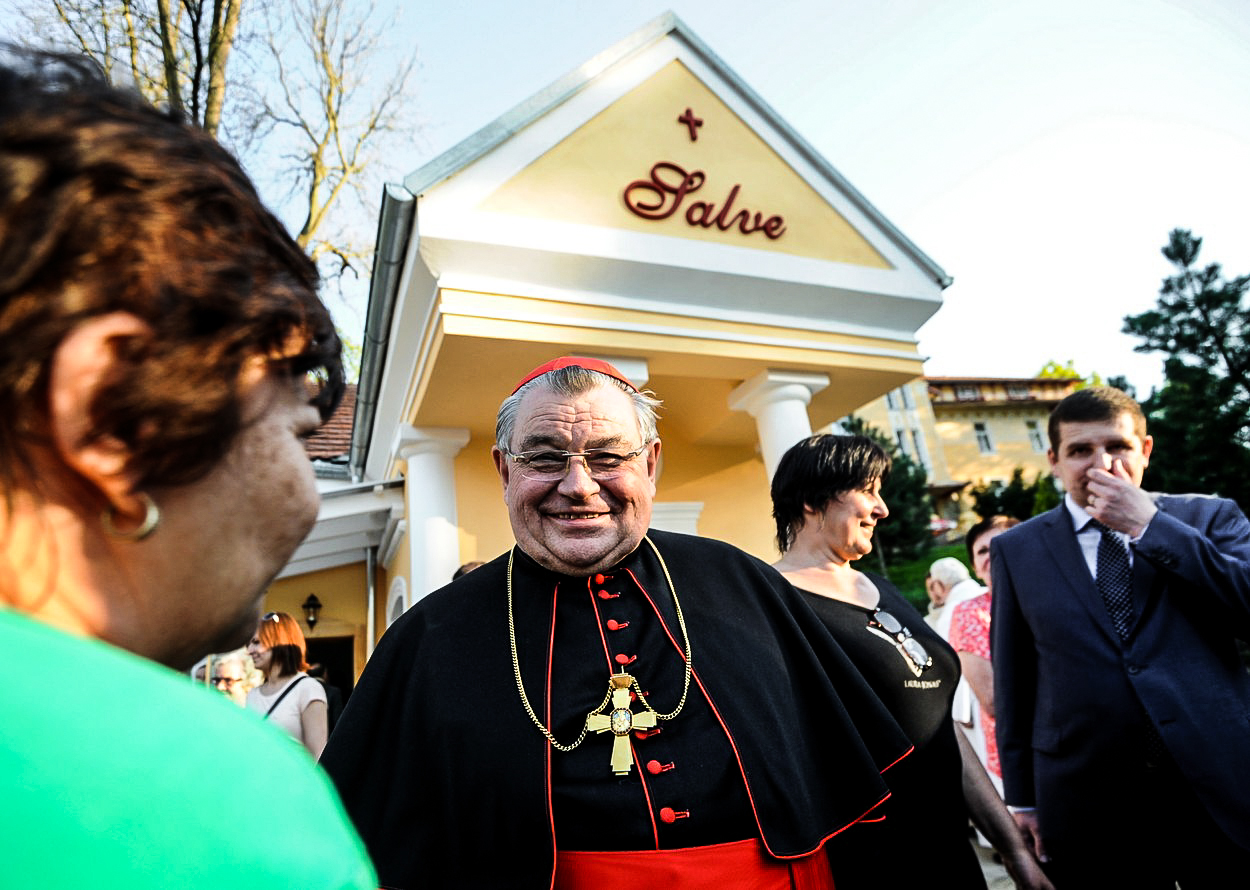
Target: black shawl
447,779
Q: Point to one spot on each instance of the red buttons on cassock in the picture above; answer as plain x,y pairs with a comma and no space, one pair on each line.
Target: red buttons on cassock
643,734
613,624
624,659
655,767
599,579
604,595
669,815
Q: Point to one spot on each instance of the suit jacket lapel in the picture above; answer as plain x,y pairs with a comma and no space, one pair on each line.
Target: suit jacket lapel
1060,540
1146,580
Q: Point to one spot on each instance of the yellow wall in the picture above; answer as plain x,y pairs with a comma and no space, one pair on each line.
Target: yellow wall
1009,437
343,592
400,567
878,414
484,529
736,504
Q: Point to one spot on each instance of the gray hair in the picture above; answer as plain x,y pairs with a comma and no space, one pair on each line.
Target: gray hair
574,381
949,571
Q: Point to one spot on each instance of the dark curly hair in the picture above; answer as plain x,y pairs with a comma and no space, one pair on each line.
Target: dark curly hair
819,470
108,204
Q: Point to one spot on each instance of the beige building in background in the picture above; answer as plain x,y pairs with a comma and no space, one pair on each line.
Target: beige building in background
649,209
969,431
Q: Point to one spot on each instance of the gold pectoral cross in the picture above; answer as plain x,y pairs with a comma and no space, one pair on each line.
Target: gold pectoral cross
621,722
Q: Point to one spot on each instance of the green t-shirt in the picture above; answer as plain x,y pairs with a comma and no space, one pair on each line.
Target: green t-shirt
116,772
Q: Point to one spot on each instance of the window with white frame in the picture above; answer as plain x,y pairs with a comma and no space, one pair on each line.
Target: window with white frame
1035,435
908,402
921,452
984,442
968,392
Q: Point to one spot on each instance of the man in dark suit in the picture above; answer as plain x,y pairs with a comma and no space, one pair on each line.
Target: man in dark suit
1123,706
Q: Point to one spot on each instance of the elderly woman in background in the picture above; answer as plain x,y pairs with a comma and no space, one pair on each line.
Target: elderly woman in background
230,675
279,652
827,504
947,584
157,332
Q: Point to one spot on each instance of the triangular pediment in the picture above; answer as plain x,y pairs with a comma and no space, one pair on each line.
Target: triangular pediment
670,157
554,176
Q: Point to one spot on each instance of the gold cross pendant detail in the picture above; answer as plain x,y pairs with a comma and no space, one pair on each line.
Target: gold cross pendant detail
621,722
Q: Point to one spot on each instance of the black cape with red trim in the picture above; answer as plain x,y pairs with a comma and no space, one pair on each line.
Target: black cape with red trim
447,778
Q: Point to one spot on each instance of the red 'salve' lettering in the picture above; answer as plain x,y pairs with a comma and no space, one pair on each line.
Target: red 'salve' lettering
663,194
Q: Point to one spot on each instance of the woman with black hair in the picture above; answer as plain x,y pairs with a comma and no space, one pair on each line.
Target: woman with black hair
827,504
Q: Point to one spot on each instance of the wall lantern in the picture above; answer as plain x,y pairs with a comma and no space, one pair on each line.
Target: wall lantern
312,610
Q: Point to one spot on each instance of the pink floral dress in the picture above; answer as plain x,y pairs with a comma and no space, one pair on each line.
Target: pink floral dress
970,632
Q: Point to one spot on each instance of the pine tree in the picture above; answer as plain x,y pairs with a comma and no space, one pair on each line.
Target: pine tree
1200,419
905,535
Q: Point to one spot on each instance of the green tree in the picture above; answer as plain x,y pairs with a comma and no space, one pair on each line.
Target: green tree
905,535
1200,419
1017,498
1121,383
1053,370
1045,493
987,499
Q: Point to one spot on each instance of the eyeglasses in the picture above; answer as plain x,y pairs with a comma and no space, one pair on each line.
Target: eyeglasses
889,628
549,466
229,681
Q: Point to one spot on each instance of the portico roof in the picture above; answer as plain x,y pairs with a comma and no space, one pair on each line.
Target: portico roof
564,226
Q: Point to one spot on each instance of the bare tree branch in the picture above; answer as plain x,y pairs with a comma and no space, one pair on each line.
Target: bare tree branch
168,58
310,100
325,101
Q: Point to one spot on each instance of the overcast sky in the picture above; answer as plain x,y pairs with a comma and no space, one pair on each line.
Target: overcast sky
1040,152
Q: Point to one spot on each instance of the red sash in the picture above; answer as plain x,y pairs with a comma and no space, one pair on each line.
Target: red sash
743,865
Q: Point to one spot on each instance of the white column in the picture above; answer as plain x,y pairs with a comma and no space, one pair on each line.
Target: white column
778,401
430,497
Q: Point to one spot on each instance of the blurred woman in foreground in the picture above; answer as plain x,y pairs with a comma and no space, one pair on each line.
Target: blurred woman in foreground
157,331
827,503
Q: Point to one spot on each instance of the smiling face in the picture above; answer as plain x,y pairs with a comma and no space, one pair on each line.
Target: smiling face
578,525
261,655
1089,445
851,518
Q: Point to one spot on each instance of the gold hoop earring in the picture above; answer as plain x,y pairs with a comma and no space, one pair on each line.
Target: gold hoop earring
151,519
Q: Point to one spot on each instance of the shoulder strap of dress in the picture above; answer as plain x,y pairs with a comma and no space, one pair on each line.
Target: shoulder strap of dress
289,687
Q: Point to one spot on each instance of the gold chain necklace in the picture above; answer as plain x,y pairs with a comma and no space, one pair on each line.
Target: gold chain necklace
621,721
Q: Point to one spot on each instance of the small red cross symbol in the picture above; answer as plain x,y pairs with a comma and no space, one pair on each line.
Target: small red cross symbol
692,122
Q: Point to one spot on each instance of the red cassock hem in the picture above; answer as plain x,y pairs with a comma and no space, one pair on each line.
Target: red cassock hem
744,865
